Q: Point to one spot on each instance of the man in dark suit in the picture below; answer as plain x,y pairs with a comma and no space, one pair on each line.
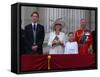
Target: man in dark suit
34,36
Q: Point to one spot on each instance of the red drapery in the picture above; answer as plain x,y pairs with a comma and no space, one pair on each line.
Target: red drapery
40,62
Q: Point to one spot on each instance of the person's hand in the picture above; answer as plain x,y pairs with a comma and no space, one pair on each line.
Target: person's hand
34,48
90,49
62,44
53,43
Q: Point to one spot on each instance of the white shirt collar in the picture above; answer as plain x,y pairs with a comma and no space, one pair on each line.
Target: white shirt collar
34,23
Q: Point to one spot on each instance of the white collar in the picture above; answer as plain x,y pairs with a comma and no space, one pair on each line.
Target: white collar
34,23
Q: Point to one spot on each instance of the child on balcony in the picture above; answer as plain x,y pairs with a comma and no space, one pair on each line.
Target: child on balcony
71,47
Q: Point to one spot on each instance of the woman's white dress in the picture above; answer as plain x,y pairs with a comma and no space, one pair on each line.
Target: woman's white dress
57,49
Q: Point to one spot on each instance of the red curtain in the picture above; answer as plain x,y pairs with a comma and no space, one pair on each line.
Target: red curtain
40,62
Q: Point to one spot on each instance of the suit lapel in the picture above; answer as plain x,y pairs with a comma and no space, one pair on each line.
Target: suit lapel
37,29
31,31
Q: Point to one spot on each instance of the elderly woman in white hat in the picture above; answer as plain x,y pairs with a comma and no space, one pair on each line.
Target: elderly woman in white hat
56,40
